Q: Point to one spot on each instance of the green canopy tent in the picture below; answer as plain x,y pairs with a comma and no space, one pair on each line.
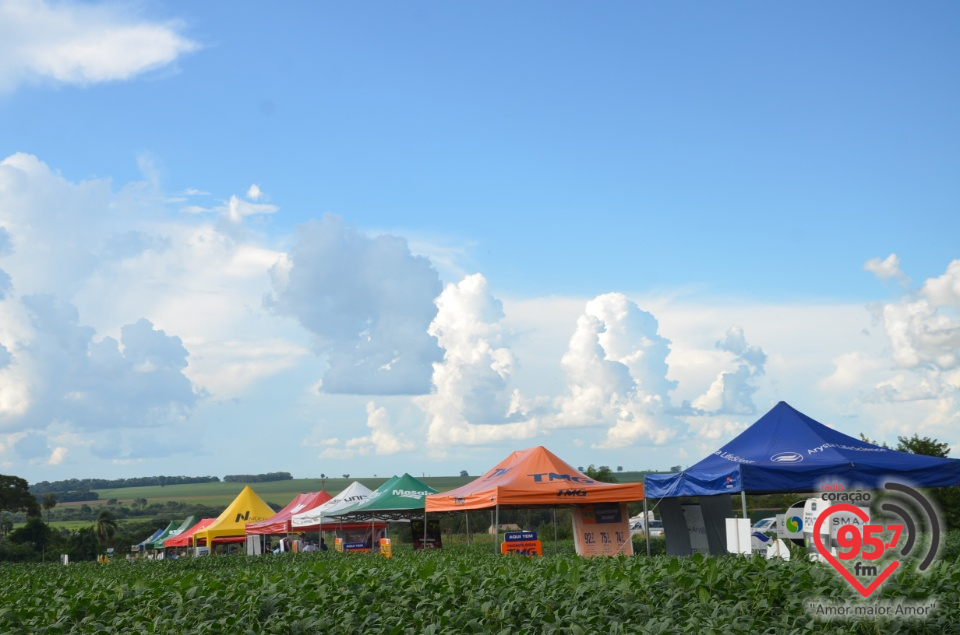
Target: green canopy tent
354,510
188,522
164,534
401,498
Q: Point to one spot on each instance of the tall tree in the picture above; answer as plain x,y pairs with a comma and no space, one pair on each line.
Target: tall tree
34,532
49,502
83,543
948,498
867,439
106,527
925,445
602,474
15,496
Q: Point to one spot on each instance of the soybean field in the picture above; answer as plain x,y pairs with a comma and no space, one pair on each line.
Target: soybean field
458,590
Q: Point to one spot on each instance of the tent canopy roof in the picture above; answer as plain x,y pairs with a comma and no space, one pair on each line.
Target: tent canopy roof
247,507
354,493
146,541
531,478
159,537
787,451
280,522
184,539
344,511
187,523
400,497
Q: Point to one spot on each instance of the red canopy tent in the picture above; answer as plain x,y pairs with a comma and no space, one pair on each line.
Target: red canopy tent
186,538
280,522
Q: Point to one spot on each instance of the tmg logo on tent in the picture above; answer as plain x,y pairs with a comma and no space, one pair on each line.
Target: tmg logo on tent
498,472
549,477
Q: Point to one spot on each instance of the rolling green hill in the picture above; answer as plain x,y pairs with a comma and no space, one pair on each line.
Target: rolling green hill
163,503
276,492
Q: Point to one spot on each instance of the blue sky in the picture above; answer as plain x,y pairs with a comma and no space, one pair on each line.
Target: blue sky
416,236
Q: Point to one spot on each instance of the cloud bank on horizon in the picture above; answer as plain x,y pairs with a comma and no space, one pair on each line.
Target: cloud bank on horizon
157,329
193,297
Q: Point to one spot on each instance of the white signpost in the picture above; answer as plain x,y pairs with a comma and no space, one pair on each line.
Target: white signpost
739,539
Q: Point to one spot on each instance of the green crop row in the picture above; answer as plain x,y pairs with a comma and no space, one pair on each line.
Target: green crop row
452,591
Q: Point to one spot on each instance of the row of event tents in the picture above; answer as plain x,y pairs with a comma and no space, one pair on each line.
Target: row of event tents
532,477
248,514
784,451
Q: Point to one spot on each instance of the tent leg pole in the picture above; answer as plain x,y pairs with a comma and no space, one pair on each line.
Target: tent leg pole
466,516
646,523
743,500
496,530
556,541
424,529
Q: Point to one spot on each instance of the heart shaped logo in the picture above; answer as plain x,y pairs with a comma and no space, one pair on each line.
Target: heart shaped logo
865,591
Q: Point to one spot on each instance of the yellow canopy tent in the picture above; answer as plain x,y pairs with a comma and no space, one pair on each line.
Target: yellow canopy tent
247,507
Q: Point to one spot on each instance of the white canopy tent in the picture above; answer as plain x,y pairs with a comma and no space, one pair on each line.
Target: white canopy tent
324,514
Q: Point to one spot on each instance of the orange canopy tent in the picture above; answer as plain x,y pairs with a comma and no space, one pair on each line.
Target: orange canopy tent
280,522
535,477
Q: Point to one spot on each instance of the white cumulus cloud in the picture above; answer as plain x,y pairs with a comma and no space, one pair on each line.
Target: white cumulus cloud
616,368
472,402
885,269
82,43
923,329
368,301
382,440
922,333
944,291
118,316
57,456
732,391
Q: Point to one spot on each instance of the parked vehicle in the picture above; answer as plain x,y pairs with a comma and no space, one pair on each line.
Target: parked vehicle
656,528
765,524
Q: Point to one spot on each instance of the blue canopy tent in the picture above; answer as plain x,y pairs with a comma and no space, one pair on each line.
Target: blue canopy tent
142,545
787,451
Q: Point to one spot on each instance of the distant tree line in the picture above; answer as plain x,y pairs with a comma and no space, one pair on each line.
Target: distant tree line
258,478
72,497
86,484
